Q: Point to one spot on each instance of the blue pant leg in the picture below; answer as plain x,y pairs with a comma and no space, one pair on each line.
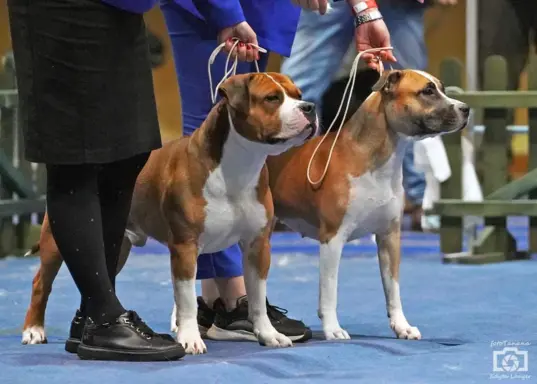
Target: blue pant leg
406,26
318,50
191,53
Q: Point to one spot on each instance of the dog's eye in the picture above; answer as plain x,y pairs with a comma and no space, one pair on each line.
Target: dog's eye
272,98
428,91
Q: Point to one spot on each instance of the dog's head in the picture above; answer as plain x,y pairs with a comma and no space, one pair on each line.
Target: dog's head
416,105
266,108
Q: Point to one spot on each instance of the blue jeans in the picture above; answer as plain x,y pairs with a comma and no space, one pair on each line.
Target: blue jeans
191,51
321,43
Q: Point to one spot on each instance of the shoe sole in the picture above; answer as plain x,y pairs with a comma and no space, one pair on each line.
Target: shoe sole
86,352
71,345
216,333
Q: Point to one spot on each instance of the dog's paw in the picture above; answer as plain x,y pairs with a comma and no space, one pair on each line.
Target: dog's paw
403,330
191,341
273,339
34,335
336,334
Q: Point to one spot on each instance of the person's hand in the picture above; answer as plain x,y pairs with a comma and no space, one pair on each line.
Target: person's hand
245,51
447,2
313,5
374,35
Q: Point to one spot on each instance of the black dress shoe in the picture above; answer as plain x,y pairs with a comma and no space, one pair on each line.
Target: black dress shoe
127,338
77,327
75,332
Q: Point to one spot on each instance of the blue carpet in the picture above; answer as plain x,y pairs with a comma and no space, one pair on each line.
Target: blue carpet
460,310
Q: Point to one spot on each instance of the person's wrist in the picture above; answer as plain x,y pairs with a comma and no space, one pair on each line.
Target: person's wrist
368,16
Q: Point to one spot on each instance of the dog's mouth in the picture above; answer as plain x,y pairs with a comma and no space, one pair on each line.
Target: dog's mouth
312,129
280,140
275,140
423,129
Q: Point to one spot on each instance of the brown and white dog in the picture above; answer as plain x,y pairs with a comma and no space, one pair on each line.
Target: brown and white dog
362,191
203,193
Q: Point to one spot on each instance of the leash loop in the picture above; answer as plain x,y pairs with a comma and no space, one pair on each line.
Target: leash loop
350,83
232,70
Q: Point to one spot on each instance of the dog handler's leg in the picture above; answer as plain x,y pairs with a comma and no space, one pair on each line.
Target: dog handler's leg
183,263
256,264
329,267
389,253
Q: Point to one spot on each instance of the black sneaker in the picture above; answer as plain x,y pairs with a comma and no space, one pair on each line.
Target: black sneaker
235,326
205,317
127,338
77,327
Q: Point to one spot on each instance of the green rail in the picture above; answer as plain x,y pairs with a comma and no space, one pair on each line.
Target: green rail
497,99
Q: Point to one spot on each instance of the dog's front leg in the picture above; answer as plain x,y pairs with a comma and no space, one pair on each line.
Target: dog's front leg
184,266
389,253
256,264
329,267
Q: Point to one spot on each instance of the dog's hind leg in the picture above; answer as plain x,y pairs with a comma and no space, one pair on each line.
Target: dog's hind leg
51,261
389,253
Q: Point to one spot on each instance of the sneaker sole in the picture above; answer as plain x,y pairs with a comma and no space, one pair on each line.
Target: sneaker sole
216,333
86,352
71,345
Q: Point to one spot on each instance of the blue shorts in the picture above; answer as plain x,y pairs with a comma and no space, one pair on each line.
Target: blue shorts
191,51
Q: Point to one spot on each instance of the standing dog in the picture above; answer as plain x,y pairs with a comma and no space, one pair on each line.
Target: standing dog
203,193
362,191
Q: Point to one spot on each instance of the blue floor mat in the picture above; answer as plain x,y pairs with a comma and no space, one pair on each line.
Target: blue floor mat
460,311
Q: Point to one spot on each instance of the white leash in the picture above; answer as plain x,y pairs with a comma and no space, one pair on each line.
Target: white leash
232,70
350,83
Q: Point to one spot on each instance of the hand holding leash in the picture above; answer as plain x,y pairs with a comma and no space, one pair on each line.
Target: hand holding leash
233,69
247,47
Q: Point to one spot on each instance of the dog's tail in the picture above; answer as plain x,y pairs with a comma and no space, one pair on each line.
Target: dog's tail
32,251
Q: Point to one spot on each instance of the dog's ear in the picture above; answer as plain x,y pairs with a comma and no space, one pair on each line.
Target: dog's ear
387,81
235,91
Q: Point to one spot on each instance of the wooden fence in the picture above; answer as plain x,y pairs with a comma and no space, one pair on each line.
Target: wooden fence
22,184
502,198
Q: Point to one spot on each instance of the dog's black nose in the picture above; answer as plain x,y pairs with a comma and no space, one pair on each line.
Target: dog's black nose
465,110
309,110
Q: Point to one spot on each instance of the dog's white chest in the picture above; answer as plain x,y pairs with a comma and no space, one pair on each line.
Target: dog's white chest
374,202
232,213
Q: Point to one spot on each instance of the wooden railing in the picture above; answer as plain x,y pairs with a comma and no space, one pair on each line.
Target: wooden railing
502,198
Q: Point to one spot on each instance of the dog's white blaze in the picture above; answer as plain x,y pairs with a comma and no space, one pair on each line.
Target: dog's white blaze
188,333
437,82
292,118
427,76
